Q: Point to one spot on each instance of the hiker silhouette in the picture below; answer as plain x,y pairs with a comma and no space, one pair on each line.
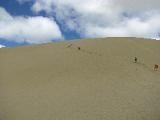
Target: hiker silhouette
156,67
135,59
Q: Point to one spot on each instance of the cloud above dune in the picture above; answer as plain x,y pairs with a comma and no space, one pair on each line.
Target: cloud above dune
103,18
1,46
28,29
133,27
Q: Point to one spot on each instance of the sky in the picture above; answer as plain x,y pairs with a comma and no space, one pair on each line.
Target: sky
25,22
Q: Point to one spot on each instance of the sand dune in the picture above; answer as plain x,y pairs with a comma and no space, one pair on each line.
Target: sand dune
57,81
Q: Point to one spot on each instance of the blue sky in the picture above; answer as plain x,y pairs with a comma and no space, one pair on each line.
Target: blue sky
24,22
15,8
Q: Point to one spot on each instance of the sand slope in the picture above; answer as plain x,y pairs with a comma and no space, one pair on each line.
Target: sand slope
98,82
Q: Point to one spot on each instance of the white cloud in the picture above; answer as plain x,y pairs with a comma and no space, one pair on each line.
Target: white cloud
102,18
138,6
1,46
129,28
28,29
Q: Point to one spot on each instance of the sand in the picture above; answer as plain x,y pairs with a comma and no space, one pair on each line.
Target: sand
57,81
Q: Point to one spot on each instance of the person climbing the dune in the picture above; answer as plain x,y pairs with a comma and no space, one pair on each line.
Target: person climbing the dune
156,67
79,48
135,59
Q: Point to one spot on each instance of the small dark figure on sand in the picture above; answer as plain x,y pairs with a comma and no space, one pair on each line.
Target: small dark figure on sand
155,67
79,48
135,59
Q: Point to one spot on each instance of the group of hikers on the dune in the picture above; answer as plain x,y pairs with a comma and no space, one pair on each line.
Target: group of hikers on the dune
155,66
72,44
